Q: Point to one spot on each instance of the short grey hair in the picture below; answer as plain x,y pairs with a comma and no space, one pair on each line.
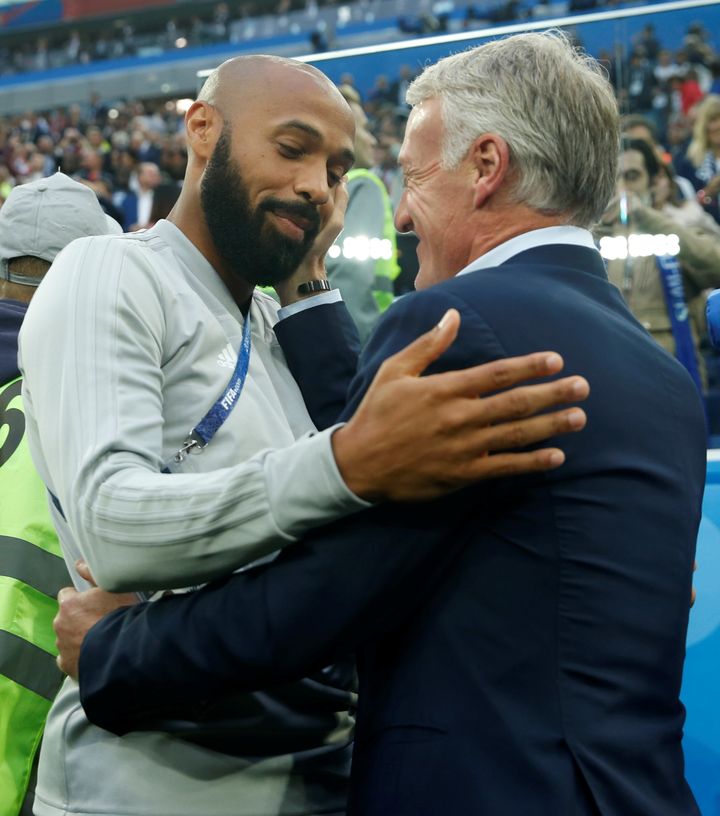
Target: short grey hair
553,106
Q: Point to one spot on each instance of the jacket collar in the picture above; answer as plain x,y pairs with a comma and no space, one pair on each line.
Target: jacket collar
548,236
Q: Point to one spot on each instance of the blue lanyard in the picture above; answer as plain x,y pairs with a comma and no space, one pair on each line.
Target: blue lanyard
674,292
199,437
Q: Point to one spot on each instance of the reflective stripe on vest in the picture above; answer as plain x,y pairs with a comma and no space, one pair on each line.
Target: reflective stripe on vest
386,270
31,573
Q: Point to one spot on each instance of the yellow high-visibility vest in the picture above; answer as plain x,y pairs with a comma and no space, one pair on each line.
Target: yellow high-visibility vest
386,269
32,571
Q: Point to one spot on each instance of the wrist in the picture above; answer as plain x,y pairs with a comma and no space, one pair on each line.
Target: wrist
293,292
358,477
313,287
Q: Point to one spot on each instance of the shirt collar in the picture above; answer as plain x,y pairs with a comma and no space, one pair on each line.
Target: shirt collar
573,236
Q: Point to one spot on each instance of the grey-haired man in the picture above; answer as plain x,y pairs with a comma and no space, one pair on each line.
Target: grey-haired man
162,344
520,643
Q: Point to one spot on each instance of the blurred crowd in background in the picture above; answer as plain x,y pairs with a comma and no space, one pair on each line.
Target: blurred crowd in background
124,147
132,152
198,24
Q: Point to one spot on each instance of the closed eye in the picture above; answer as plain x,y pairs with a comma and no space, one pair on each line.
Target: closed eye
290,151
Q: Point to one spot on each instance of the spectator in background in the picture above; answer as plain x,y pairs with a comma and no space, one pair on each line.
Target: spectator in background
666,68
6,183
173,161
380,94
668,198
648,41
97,141
92,165
347,79
123,164
677,135
103,191
637,126
136,203
400,86
701,163
385,166
362,263
690,91
36,222
164,200
714,89
46,148
640,84
695,44
644,278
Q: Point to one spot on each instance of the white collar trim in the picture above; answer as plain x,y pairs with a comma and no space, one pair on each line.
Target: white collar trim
572,236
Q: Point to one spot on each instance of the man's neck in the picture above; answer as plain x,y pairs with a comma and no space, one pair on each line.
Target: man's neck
502,225
16,291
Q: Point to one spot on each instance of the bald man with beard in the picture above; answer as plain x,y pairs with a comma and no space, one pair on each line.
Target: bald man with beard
135,339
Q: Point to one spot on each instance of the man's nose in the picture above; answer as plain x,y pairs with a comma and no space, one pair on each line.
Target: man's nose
403,221
312,184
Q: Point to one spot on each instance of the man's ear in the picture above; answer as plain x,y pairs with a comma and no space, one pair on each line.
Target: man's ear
203,124
490,156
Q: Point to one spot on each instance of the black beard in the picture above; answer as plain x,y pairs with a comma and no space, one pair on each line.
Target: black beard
248,243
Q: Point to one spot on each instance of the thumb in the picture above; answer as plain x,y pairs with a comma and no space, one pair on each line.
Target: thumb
84,571
418,355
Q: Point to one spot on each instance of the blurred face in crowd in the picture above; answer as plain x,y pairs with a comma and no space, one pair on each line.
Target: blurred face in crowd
95,137
364,140
271,183
633,176
663,188
435,202
678,131
713,134
639,132
149,176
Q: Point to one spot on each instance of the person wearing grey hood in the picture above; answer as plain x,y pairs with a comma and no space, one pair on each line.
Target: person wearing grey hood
36,222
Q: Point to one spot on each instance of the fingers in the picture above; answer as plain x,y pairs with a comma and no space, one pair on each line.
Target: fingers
530,399
84,571
497,375
418,355
520,434
329,233
66,594
526,432
513,464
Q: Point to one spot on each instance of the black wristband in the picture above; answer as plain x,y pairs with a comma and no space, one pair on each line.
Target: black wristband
312,286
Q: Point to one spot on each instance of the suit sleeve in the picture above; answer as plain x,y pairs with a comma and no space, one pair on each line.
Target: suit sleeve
321,346
322,598
318,601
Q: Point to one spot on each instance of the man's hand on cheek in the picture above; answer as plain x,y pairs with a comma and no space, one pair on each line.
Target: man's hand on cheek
313,265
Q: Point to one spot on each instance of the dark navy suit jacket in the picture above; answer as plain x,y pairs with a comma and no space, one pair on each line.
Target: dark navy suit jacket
520,643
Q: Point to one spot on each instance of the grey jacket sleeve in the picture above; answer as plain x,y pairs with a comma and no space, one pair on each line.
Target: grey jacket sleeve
93,349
